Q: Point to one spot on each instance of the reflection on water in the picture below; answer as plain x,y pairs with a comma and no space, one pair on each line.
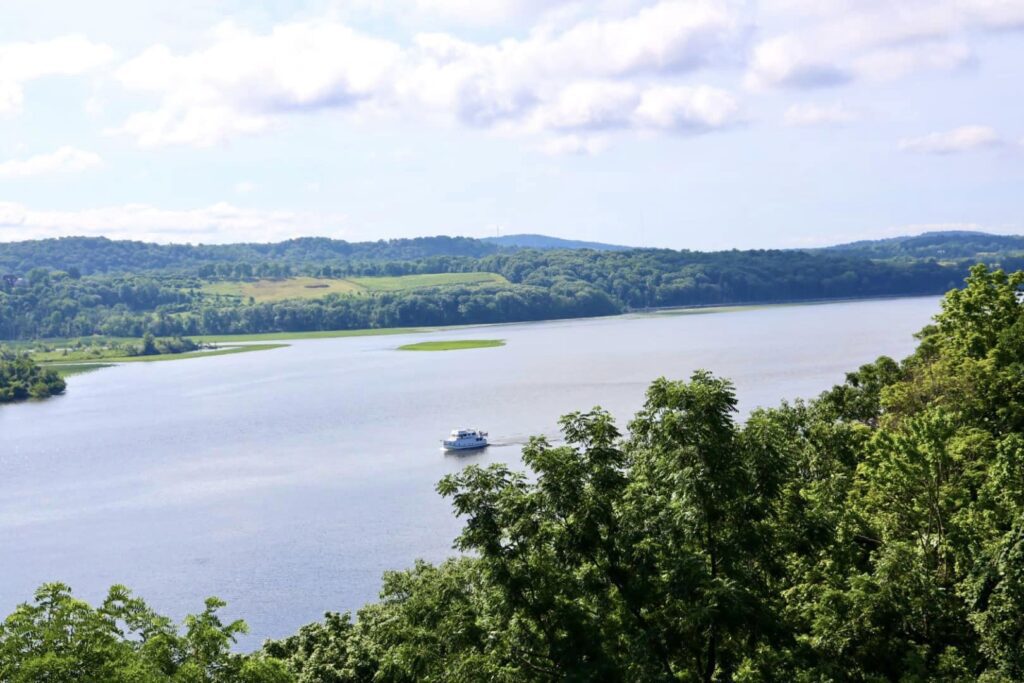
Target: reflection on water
286,481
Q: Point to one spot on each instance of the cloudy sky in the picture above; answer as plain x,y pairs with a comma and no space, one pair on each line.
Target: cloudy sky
682,123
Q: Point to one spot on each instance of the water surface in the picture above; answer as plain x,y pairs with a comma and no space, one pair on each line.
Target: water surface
286,481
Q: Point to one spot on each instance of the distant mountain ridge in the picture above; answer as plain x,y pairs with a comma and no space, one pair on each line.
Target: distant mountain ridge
100,254
535,241
948,244
90,255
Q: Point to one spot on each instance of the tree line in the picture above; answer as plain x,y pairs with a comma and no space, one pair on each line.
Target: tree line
46,303
92,255
875,533
957,244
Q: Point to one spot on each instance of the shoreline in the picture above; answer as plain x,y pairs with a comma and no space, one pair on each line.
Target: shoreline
639,312
243,343
82,365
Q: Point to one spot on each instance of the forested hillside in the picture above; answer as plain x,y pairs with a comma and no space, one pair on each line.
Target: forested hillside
75,287
875,533
88,255
536,285
952,244
95,255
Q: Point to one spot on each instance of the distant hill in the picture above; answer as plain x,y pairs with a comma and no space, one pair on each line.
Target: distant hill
101,255
951,244
529,241
95,255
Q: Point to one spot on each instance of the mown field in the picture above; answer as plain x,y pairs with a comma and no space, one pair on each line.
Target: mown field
264,291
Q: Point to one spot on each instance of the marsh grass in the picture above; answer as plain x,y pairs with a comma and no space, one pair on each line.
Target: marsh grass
453,345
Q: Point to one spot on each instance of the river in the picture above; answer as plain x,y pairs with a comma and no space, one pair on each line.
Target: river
287,481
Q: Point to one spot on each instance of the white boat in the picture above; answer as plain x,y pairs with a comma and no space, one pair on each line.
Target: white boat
465,439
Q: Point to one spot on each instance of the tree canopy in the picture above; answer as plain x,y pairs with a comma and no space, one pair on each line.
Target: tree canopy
172,296
22,378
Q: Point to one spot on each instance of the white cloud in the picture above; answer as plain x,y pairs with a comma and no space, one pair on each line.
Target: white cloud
789,61
591,74
685,108
64,160
244,187
667,36
219,223
23,62
962,139
574,145
592,106
843,40
11,97
994,14
807,114
896,62
507,14
485,13
240,83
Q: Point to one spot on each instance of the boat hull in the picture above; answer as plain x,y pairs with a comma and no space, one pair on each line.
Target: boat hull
464,447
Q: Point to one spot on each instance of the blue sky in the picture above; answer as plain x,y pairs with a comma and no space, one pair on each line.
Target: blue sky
699,124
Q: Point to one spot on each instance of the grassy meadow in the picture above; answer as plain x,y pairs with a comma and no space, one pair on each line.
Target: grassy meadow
406,282
267,291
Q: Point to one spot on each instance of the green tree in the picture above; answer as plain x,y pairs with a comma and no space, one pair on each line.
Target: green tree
62,639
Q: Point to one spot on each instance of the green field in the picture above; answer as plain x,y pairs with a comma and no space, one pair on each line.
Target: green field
406,282
264,291
453,345
56,360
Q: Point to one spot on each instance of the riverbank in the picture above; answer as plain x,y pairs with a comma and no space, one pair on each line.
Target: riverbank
264,341
77,366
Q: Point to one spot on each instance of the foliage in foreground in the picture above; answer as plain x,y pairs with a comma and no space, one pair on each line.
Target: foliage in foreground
22,378
874,534
61,639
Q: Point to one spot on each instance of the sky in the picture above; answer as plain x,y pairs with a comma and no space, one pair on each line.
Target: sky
697,124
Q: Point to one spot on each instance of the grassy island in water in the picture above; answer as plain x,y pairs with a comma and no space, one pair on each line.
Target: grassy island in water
453,345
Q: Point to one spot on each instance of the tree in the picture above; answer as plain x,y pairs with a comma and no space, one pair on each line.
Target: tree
22,378
148,345
61,639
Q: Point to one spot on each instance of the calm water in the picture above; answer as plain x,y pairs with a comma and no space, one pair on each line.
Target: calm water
286,481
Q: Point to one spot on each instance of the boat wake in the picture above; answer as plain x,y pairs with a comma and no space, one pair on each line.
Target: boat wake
553,439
